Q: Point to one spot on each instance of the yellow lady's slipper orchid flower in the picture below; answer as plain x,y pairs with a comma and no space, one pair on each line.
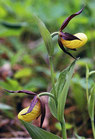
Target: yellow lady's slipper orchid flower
67,40
35,113
73,44
32,112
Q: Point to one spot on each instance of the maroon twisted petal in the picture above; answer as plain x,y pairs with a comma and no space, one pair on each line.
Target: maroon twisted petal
65,23
33,103
68,36
21,91
43,112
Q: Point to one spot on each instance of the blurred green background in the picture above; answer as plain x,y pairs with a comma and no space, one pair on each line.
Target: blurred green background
24,61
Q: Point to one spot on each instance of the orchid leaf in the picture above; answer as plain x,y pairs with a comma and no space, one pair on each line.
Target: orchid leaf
25,72
91,104
52,106
13,26
62,86
79,137
45,35
63,95
38,133
58,126
5,107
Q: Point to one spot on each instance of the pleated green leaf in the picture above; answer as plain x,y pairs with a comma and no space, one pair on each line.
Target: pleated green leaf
38,133
52,106
5,107
45,35
59,86
62,82
91,104
63,95
79,137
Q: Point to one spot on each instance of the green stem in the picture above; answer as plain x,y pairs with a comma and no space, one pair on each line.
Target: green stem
52,78
87,76
54,34
92,72
46,94
92,117
64,134
93,128
87,87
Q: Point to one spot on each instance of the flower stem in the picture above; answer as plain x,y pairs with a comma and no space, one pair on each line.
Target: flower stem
92,72
46,94
54,34
87,94
87,88
93,128
64,135
52,78
87,76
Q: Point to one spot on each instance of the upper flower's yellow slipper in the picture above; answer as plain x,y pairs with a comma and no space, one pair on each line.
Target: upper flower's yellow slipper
77,43
67,40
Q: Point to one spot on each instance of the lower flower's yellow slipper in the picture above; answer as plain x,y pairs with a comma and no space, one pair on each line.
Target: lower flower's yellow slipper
32,112
30,115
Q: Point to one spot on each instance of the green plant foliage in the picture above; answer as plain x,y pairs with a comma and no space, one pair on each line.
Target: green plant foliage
91,104
79,96
36,82
81,62
81,82
79,137
78,86
11,84
38,133
5,107
52,106
9,114
63,95
7,32
22,47
45,35
68,126
26,72
62,87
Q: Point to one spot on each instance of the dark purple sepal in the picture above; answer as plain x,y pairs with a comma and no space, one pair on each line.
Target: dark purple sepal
68,36
21,91
64,50
65,23
32,105
43,112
